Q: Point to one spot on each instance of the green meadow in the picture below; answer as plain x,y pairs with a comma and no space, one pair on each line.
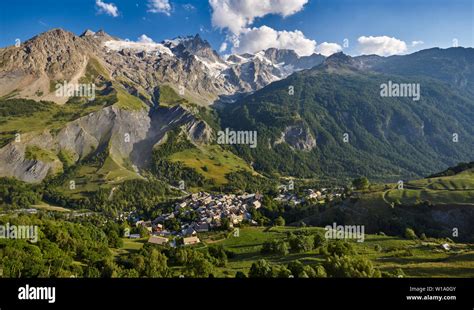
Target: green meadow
416,258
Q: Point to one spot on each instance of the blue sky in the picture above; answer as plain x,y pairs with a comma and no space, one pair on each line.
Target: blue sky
386,27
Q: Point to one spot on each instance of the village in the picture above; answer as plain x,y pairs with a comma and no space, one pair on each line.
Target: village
203,212
206,211
287,195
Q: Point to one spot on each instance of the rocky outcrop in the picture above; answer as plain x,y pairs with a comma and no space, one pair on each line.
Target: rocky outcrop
125,133
198,132
16,162
190,63
29,70
298,137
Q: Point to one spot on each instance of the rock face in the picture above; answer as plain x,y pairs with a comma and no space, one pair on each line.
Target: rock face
15,163
125,133
250,72
298,137
188,63
29,70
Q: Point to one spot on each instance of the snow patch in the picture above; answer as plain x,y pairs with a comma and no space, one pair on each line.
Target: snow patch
148,47
215,68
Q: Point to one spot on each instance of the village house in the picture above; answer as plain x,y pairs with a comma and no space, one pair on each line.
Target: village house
158,240
189,231
256,204
201,227
191,240
157,227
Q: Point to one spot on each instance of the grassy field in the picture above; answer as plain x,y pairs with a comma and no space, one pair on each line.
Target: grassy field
415,257
22,120
448,190
212,162
126,101
130,246
47,207
90,178
169,98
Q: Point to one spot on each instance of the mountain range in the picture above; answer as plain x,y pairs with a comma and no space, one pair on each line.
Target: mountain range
337,124
315,116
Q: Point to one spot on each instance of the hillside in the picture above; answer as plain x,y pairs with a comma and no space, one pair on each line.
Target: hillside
454,66
336,124
391,255
142,92
441,206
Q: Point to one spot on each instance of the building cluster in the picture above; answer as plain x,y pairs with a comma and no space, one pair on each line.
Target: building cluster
209,211
320,195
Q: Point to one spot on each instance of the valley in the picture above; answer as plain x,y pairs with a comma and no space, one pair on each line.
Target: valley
135,182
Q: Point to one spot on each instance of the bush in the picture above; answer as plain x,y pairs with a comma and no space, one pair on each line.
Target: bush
410,234
279,247
319,240
261,269
279,221
281,272
350,267
338,248
361,183
301,244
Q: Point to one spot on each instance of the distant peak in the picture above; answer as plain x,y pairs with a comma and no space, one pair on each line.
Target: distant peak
340,57
53,34
87,33
341,61
101,33
57,31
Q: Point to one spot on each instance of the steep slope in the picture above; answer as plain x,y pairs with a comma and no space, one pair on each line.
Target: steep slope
128,135
142,91
454,66
355,131
187,64
439,206
254,71
28,71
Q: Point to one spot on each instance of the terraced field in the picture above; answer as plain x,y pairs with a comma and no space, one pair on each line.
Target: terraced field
415,257
452,190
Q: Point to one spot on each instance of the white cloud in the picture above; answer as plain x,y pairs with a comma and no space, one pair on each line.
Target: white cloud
327,49
145,39
189,7
159,6
236,15
415,43
256,39
382,46
223,47
107,8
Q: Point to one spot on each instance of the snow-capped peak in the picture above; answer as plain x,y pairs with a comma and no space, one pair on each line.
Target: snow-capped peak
149,47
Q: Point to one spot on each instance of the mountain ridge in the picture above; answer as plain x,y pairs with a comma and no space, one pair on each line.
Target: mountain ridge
301,133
